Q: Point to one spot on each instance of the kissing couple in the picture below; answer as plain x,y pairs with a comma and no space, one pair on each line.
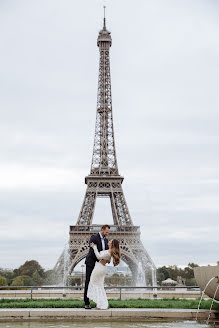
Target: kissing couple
100,252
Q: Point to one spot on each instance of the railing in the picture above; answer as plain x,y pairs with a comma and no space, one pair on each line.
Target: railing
154,289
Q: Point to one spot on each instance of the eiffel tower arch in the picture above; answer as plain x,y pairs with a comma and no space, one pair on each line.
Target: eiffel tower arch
104,181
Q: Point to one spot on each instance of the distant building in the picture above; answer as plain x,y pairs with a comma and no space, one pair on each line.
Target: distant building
120,269
77,273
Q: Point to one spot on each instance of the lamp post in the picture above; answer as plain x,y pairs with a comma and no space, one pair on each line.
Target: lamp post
82,266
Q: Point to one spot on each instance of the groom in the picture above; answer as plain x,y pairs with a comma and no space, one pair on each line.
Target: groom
102,244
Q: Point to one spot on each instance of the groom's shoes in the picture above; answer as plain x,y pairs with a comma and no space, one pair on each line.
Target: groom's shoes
87,307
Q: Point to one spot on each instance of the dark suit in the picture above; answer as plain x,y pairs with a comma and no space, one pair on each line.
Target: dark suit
91,260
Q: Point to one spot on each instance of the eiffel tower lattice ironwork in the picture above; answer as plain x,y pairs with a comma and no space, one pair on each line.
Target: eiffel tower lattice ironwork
104,180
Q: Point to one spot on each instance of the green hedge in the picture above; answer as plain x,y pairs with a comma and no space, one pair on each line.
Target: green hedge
132,303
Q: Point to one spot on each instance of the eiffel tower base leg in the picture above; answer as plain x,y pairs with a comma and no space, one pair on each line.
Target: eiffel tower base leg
132,249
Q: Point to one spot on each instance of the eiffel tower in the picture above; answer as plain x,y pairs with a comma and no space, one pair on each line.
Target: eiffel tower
104,181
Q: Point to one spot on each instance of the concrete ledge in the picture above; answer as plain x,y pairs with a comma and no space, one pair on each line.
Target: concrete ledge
38,314
69,313
14,313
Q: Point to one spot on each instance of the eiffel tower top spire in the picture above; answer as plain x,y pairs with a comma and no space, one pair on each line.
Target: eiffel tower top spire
104,34
104,161
104,19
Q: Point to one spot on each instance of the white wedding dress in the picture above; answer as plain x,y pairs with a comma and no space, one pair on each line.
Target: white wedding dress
96,291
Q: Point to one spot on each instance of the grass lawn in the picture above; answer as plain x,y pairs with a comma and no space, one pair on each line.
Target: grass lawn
173,303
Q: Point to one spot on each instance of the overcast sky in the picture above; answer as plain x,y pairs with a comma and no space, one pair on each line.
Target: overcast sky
165,76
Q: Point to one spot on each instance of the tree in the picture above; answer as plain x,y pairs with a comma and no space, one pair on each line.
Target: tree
160,276
28,281
191,282
37,279
29,267
192,265
50,277
18,281
163,273
8,274
174,272
76,281
189,273
3,281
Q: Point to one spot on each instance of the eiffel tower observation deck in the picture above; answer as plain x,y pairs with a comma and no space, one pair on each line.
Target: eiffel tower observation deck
104,180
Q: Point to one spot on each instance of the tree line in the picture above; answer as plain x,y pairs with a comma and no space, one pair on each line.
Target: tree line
174,272
31,273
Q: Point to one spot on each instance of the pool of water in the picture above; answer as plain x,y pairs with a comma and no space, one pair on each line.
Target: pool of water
100,324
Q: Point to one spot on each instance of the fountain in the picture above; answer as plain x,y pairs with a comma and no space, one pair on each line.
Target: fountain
213,299
154,280
61,269
207,278
66,264
147,277
154,275
203,275
202,295
140,278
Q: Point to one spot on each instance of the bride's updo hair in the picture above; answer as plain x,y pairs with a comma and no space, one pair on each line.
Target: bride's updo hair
115,252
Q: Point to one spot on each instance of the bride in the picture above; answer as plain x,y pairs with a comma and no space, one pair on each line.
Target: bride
96,290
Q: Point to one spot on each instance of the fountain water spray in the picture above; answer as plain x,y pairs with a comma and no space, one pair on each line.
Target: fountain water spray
154,280
140,281
66,264
202,295
213,299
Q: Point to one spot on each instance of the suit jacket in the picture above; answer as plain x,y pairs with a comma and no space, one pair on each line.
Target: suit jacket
91,257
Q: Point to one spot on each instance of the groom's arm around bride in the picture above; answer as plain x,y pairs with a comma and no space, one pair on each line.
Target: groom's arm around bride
102,244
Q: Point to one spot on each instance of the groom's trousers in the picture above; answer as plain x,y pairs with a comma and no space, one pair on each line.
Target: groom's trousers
89,270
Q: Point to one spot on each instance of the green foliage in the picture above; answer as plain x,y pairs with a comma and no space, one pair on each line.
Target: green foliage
28,281
192,265
31,273
37,279
173,272
3,281
23,281
29,268
173,303
18,281
118,280
76,281
162,274
8,274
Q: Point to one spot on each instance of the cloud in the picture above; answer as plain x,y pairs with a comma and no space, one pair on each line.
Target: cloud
164,65
35,178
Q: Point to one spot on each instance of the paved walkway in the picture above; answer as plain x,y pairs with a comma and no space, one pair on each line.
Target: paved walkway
59,313
125,294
